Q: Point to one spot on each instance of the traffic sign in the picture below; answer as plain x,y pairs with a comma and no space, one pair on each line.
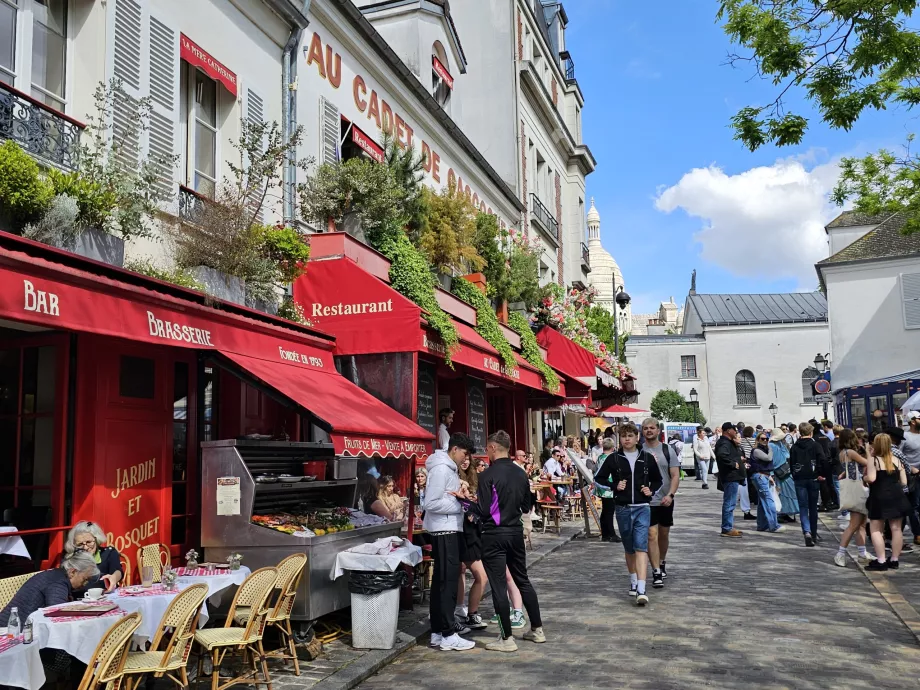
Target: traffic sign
824,398
822,386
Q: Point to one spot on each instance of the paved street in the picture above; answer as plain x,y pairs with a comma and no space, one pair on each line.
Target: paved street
762,611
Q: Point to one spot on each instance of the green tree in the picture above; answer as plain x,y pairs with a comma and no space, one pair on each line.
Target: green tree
669,406
843,55
600,323
447,240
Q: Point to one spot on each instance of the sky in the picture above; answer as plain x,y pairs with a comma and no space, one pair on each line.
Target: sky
674,190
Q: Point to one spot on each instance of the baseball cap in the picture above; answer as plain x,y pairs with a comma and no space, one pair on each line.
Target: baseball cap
727,426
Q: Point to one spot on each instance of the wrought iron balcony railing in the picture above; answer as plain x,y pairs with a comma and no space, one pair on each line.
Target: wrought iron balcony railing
191,204
568,65
585,257
544,217
46,134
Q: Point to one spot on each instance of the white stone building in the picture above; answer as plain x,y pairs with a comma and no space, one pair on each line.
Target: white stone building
606,275
740,354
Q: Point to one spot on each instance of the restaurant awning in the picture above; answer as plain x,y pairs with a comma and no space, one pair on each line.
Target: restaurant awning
619,411
568,357
359,424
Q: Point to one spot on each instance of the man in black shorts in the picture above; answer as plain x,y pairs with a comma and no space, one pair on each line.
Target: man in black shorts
662,504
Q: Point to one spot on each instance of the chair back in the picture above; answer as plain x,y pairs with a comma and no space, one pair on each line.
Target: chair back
290,570
125,564
9,586
178,625
254,590
108,662
155,555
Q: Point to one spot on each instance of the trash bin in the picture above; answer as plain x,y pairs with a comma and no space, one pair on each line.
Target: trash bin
374,607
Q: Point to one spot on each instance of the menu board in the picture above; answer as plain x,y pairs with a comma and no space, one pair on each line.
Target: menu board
476,406
427,416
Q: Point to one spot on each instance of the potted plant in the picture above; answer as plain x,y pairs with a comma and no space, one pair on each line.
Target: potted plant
191,559
234,560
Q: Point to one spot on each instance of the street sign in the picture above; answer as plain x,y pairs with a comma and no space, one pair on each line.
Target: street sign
822,386
824,398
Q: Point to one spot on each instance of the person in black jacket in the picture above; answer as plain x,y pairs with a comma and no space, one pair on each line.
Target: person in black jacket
634,476
732,472
809,466
90,538
827,492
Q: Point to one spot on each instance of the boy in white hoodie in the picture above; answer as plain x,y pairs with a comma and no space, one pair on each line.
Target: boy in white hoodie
444,523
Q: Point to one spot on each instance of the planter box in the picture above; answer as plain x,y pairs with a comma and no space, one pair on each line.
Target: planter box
351,224
445,280
101,246
220,285
267,307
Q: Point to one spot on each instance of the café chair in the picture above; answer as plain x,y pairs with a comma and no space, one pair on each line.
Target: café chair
125,563
246,639
9,586
155,555
290,570
106,668
551,512
175,635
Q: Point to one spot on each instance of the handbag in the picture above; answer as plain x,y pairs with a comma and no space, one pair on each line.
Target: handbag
853,493
782,472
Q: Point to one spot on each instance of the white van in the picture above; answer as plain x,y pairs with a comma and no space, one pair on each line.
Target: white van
686,432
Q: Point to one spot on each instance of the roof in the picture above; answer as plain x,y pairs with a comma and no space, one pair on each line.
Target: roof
887,241
738,310
666,338
852,219
906,376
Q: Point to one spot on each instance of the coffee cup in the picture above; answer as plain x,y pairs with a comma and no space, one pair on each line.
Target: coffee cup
94,594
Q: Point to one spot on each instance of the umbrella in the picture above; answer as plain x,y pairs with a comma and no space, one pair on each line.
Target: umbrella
913,403
619,411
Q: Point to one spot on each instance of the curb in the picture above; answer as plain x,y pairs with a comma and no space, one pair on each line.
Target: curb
363,668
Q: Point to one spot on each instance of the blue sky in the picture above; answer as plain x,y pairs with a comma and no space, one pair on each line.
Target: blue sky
658,103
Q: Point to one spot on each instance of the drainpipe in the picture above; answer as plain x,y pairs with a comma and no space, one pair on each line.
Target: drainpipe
289,114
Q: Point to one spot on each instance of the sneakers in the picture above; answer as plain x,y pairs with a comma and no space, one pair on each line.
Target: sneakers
474,622
436,639
633,590
494,619
460,629
818,538
808,540
779,528
535,635
840,559
642,599
864,559
907,548
748,516
455,643
664,570
517,620
892,565
732,533
876,565
657,579
705,486
502,645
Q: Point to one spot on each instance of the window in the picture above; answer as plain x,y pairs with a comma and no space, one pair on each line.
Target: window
136,377
441,89
745,388
858,419
41,26
808,377
200,107
910,294
688,366
8,40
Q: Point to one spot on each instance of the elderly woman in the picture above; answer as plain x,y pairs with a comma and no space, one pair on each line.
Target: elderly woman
88,537
51,587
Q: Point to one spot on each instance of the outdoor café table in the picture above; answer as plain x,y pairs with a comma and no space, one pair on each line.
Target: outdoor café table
216,580
76,635
22,667
12,546
151,603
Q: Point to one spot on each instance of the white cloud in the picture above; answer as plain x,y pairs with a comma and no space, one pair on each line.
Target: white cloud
766,222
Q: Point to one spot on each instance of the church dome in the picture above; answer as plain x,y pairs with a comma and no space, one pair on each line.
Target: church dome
593,215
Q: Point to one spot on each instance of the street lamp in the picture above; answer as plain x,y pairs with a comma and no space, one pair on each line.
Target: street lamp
621,299
773,410
821,365
694,396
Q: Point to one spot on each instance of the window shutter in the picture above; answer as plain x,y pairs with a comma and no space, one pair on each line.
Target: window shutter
127,69
255,115
910,293
164,115
330,131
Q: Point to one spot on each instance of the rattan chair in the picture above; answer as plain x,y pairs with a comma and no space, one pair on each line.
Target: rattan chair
156,555
290,570
175,634
247,639
9,586
125,563
106,668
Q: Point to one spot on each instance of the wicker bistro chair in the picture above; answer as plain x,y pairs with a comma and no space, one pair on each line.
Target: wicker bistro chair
106,668
125,564
9,586
156,555
290,570
247,639
176,631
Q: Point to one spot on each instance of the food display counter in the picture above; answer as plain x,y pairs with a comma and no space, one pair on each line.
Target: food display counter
257,501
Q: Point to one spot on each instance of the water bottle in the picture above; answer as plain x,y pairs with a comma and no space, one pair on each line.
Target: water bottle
13,626
27,635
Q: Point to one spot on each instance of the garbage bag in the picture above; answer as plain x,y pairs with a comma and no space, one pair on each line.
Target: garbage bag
374,582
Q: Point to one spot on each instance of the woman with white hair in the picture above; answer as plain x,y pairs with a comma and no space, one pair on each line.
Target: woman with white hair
88,537
51,587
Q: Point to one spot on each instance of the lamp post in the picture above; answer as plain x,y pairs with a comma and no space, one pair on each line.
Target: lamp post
621,299
821,365
694,397
773,410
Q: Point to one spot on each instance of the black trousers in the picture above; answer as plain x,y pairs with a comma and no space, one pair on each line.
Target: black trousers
608,511
445,551
499,551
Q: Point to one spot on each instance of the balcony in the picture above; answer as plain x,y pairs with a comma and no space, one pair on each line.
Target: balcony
544,219
568,66
46,134
585,258
191,204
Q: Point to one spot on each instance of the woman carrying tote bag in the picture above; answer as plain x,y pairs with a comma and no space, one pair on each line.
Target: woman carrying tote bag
853,495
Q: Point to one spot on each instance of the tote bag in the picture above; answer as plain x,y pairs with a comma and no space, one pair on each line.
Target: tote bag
853,493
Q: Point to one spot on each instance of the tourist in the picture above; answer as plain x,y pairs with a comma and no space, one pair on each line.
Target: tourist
608,504
369,502
390,498
761,476
747,492
782,475
444,524
554,470
852,496
731,474
446,415
634,476
807,462
90,538
793,435
827,493
887,502
421,480
470,557
702,456
713,440
910,448
827,428
661,517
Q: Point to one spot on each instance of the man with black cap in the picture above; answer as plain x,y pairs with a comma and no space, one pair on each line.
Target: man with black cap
731,474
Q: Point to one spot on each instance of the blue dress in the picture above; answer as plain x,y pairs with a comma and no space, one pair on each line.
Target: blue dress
786,487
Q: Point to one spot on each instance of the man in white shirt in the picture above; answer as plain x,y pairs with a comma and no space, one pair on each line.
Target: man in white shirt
447,418
702,456
555,470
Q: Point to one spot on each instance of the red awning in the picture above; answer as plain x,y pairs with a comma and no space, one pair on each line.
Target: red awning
361,424
619,410
567,357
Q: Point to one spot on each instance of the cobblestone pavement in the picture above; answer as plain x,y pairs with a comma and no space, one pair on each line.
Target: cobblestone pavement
763,611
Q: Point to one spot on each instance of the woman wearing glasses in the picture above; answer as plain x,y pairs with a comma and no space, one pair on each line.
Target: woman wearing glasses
89,538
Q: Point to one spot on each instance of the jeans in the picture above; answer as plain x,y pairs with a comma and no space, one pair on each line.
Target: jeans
766,509
807,491
744,497
729,498
634,522
701,466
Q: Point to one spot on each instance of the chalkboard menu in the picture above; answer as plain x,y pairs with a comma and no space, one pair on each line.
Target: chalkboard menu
476,404
427,414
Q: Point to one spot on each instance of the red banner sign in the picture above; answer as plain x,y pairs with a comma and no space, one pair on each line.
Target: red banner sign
442,72
366,144
192,53
369,446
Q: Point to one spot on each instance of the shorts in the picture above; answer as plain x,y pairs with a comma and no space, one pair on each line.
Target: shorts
471,544
633,522
662,515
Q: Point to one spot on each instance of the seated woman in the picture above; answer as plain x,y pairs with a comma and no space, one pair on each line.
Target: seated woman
368,499
52,586
392,500
89,538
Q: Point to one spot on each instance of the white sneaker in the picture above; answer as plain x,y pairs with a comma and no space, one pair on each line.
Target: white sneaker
641,599
502,645
781,528
436,640
455,643
840,559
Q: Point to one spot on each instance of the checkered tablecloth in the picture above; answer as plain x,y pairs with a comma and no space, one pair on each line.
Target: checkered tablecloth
51,610
199,572
8,642
153,591
21,664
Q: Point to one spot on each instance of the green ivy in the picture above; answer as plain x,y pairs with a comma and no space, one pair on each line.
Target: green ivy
487,324
411,276
176,276
530,351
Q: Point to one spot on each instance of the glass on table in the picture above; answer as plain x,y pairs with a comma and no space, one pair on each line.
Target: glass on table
147,576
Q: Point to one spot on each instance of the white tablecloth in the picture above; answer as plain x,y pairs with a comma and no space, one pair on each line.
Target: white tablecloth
78,636
217,583
152,609
12,546
348,560
22,667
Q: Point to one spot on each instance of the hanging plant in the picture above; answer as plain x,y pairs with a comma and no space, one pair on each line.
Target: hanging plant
486,321
530,351
411,276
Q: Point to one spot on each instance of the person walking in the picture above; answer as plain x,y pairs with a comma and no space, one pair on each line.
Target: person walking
731,474
887,477
782,475
702,456
807,461
633,475
662,504
761,476
746,492
716,435
470,558
608,504
853,496
910,449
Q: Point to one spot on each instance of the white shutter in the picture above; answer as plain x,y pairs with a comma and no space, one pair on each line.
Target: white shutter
330,131
164,92
910,294
255,115
127,68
